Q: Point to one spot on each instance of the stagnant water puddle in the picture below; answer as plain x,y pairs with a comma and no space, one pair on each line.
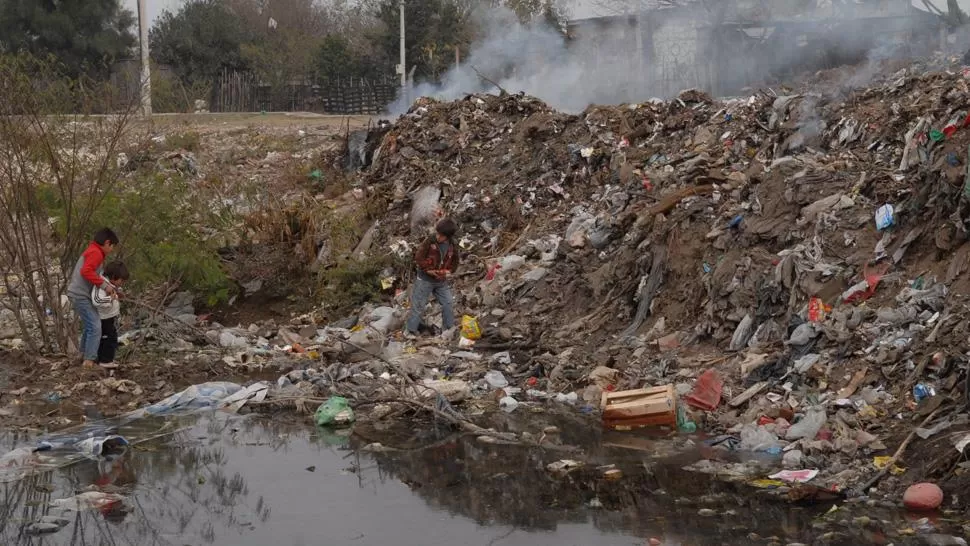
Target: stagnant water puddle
253,481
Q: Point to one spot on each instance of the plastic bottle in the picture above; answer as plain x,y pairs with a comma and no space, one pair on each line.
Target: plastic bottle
922,391
684,424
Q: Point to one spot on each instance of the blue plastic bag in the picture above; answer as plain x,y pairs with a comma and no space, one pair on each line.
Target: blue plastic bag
885,217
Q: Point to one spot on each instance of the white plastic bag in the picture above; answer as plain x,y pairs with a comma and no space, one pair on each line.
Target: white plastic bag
758,438
808,426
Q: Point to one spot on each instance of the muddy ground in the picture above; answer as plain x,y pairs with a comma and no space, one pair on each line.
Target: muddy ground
653,241
234,155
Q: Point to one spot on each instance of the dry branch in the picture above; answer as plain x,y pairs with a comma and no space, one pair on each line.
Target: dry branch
892,461
502,91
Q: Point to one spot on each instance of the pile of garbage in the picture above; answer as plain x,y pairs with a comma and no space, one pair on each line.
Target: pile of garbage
784,272
808,247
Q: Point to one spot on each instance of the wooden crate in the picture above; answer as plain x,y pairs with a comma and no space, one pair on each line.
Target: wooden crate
655,406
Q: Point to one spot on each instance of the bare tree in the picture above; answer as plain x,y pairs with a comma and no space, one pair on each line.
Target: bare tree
58,162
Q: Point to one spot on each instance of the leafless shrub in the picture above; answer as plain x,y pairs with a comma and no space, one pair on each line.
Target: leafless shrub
59,144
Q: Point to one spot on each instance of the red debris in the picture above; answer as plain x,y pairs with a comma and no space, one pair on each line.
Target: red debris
872,277
923,497
707,391
490,275
817,309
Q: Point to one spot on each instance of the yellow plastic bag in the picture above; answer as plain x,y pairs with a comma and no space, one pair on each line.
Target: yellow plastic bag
881,462
470,328
767,484
387,282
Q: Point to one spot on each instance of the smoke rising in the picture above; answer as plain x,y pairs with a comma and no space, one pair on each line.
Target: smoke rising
520,58
681,49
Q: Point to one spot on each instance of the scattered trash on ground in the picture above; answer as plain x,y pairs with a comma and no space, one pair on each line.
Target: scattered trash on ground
695,265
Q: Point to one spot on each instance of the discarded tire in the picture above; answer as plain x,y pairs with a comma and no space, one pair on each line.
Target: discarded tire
922,497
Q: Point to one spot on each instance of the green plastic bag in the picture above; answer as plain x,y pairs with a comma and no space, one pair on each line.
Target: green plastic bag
684,424
335,411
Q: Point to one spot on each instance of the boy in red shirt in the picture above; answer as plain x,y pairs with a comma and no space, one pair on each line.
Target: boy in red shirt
436,259
88,273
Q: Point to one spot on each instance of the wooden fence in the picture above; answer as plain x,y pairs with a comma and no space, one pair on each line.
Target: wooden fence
235,92
243,92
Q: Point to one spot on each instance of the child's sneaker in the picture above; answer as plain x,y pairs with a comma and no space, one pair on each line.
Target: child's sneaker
409,336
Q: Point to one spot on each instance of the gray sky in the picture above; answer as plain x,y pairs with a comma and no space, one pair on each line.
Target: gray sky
155,7
579,8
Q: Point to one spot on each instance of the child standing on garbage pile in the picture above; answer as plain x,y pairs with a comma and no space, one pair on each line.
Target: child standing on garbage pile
436,260
109,307
87,274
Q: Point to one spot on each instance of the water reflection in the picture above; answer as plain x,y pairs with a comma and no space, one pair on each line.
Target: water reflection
511,486
172,487
230,480
500,485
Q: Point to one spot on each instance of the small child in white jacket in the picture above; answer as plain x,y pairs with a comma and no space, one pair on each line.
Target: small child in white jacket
109,307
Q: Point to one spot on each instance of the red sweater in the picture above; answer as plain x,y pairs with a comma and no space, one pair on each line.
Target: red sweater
86,274
429,257
93,257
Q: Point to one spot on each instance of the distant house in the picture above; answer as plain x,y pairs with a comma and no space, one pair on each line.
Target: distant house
746,42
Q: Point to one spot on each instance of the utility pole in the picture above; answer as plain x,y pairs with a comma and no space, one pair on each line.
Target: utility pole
641,77
401,67
146,71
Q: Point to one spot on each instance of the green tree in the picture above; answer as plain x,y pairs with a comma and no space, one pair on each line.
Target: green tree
433,27
336,59
86,36
200,40
550,12
285,34
157,218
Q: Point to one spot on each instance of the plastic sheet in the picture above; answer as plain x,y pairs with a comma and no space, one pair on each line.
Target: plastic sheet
203,395
111,438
